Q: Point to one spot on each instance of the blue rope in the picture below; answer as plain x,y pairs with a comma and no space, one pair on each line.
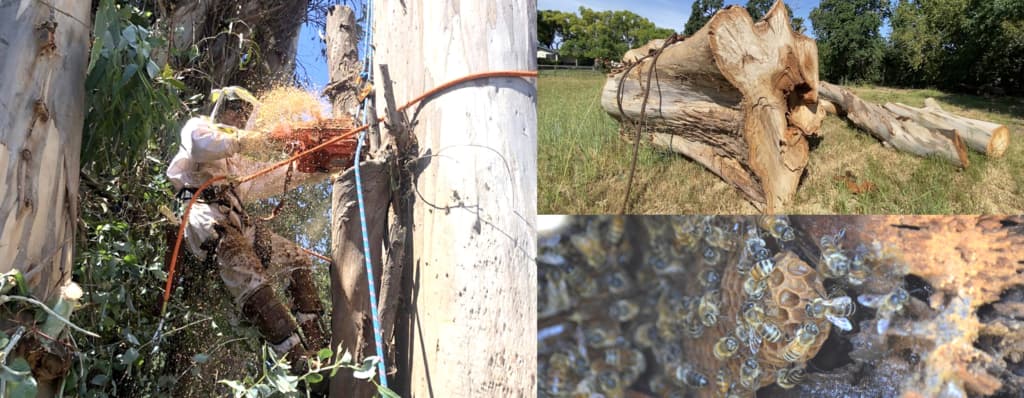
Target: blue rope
368,71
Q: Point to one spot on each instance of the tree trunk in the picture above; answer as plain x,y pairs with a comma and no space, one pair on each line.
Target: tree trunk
42,96
736,97
900,132
469,327
250,43
985,137
350,314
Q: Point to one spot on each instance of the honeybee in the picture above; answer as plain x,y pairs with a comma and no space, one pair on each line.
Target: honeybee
662,263
658,385
592,249
616,229
610,384
685,375
645,335
707,309
750,374
748,325
859,268
725,348
686,232
754,288
712,256
722,381
629,362
694,328
763,265
777,226
835,310
600,333
582,282
769,332
623,310
801,343
710,279
671,354
886,304
789,377
835,264
717,237
618,283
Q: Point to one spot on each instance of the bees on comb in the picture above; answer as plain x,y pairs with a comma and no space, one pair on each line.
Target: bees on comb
675,302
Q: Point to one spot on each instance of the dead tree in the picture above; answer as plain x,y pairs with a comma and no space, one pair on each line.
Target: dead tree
737,97
899,132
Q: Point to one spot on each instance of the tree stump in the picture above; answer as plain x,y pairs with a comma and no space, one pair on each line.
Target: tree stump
737,96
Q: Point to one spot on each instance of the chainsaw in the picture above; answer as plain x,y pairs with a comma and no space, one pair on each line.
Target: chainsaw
305,136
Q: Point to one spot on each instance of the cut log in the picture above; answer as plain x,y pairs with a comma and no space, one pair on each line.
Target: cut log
985,137
736,96
899,132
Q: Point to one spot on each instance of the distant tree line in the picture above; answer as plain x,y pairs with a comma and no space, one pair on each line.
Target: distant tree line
958,45
591,34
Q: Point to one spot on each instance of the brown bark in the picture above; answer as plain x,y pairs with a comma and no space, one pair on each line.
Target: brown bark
899,132
735,94
350,316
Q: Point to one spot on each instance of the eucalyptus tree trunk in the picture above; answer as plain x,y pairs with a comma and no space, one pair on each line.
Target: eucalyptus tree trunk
468,324
42,110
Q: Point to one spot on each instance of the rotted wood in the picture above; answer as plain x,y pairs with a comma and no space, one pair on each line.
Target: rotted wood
399,152
900,132
736,97
350,315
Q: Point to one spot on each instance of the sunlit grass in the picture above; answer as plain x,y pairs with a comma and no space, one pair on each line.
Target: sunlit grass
583,164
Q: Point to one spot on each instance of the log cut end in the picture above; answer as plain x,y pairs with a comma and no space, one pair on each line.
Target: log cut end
736,92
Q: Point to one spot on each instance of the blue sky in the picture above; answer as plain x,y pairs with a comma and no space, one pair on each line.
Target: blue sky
664,13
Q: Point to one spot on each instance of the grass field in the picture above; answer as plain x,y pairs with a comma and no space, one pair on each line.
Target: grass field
584,165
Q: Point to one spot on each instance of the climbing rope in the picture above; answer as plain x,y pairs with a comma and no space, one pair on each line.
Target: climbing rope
374,313
202,187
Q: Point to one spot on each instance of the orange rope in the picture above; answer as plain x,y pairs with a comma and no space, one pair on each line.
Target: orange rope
203,186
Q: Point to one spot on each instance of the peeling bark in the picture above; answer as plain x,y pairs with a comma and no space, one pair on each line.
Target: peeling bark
42,110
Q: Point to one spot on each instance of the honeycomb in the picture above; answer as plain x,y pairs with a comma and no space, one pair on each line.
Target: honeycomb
613,287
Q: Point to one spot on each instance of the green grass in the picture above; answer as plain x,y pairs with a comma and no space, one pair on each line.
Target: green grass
584,164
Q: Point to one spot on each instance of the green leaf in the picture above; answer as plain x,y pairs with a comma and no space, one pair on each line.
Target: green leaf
152,69
314,378
324,354
366,370
99,380
129,71
129,356
387,392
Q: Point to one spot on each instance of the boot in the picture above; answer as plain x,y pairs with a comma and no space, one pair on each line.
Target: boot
277,326
308,308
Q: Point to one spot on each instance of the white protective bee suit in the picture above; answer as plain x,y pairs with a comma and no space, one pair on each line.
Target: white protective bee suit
207,150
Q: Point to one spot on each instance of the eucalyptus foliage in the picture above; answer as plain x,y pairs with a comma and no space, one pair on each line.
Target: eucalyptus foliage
131,96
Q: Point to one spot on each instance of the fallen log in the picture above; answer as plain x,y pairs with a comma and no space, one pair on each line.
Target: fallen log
897,131
735,96
985,137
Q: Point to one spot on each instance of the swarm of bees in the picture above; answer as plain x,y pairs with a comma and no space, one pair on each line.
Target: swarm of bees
689,306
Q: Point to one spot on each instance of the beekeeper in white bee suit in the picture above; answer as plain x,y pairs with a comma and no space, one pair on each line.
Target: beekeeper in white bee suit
218,225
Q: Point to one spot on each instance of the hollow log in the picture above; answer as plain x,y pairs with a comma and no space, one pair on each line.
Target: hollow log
736,97
985,137
899,132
